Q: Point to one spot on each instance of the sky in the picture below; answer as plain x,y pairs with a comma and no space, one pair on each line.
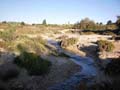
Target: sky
59,11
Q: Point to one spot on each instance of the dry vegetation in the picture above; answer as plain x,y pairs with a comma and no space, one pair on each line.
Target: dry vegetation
30,45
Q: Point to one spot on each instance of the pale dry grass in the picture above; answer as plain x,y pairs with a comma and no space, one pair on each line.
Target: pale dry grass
75,50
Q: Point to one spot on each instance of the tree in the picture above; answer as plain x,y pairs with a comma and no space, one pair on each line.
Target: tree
97,23
118,21
91,25
4,22
76,25
109,22
44,22
110,25
101,23
87,24
22,23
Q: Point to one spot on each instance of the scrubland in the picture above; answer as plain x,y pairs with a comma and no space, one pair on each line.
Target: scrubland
40,54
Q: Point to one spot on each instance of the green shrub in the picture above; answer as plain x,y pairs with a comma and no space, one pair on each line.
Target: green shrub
36,45
4,22
113,68
33,63
104,45
68,42
44,22
21,48
7,35
22,23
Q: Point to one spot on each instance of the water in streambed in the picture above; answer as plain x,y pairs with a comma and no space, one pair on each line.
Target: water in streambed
88,72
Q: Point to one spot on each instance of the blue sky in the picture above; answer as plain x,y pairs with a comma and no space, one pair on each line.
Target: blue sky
58,11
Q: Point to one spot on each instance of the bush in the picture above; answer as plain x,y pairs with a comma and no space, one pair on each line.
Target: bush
44,22
68,42
113,68
8,35
4,22
36,45
104,45
22,23
33,63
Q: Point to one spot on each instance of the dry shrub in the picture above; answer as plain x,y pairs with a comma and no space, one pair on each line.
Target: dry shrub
68,42
104,45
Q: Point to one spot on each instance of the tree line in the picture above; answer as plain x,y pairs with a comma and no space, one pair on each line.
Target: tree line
87,24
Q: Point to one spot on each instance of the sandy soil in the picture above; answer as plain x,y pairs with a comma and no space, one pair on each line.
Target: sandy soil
62,68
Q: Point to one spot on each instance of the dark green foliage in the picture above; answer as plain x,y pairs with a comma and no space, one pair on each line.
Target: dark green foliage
33,24
87,24
44,22
33,63
109,22
4,22
21,48
104,45
113,68
68,42
22,23
118,21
